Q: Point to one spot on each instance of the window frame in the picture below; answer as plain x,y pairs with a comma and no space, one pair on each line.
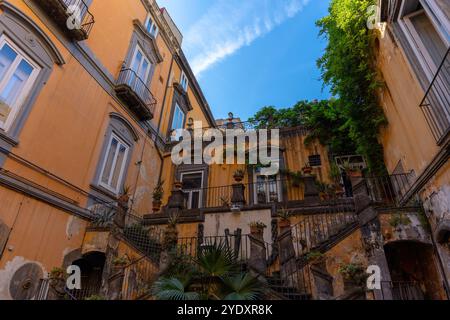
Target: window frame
122,169
138,49
153,24
176,137
190,192
413,38
27,89
186,81
257,174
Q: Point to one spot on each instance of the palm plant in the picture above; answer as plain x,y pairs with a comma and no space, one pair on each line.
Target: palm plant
213,274
173,289
241,287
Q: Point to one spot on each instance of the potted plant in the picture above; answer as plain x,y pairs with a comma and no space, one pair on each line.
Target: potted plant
351,171
239,175
354,274
178,185
125,195
57,278
119,263
315,257
307,169
158,193
284,221
257,228
171,233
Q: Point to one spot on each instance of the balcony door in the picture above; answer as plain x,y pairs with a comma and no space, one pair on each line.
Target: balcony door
140,65
267,189
193,188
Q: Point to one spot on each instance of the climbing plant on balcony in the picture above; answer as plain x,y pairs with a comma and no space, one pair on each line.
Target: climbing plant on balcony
347,68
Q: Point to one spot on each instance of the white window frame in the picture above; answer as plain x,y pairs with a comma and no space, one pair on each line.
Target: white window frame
190,192
266,187
413,37
152,25
184,81
175,131
28,85
144,57
122,169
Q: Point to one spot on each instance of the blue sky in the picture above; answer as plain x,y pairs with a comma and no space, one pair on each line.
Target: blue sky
251,53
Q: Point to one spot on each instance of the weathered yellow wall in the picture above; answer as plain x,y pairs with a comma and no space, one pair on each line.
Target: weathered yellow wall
39,232
407,137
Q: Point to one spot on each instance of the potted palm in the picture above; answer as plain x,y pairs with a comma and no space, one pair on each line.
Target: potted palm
239,175
158,193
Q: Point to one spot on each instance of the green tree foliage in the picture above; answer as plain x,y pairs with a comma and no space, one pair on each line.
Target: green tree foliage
347,67
323,118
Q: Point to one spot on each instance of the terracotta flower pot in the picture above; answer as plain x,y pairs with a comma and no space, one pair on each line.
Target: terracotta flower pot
307,170
156,204
238,178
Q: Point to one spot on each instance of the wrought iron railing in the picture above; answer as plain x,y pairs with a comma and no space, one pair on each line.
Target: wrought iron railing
314,232
72,15
264,192
393,190
436,103
402,290
131,79
138,278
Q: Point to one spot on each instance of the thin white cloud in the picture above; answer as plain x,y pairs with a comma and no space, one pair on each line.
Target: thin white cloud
229,25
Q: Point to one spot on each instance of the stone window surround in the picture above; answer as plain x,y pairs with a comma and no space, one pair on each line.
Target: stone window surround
179,97
120,127
146,43
195,168
26,35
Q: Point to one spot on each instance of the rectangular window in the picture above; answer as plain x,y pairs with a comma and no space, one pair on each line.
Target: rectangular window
141,65
177,122
151,26
315,160
113,169
184,82
192,186
17,75
267,189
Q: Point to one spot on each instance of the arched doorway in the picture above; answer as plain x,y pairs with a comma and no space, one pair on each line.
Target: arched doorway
413,271
91,265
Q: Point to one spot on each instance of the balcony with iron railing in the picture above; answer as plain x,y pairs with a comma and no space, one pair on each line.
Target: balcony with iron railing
388,191
436,103
73,16
133,91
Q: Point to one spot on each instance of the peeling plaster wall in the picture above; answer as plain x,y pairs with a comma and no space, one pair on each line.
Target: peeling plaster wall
7,273
412,231
350,250
39,232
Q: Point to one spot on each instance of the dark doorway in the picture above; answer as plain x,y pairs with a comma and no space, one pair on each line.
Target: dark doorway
91,265
413,271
